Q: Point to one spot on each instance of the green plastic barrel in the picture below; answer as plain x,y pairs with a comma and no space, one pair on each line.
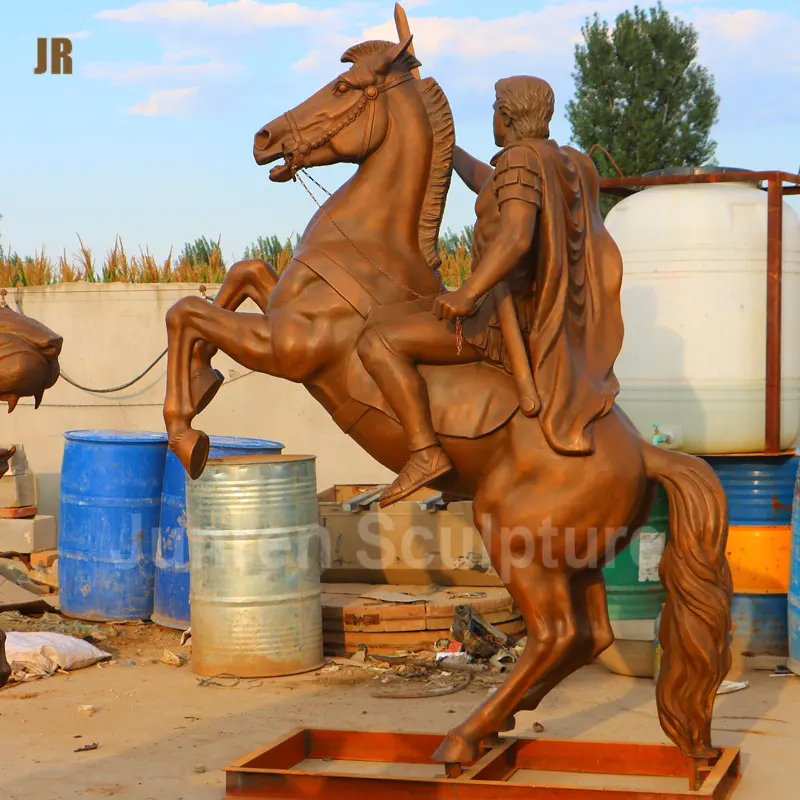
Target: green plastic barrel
632,584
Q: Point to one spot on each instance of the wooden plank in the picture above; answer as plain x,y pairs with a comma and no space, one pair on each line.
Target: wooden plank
277,754
386,643
21,512
313,785
395,748
602,758
369,622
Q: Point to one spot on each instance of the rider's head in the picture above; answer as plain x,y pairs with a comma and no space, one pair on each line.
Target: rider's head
523,109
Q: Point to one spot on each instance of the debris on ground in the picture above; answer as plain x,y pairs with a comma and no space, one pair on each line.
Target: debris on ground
726,687
538,727
480,638
477,651
781,671
87,747
173,659
86,711
54,623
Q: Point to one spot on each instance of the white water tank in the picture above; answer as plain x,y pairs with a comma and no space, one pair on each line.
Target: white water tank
694,294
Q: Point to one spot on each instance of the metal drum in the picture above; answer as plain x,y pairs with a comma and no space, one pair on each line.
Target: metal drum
759,488
254,552
794,586
760,491
171,604
758,627
632,584
110,503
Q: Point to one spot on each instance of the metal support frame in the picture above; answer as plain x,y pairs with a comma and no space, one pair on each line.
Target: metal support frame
271,772
775,180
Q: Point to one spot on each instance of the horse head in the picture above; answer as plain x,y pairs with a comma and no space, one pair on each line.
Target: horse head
29,354
345,121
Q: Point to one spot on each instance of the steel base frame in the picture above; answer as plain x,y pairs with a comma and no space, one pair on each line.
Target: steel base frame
270,771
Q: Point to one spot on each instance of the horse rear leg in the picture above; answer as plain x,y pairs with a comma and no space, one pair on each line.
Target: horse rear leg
252,279
593,635
544,597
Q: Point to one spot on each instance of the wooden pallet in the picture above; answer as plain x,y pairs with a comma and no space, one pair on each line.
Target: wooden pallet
284,769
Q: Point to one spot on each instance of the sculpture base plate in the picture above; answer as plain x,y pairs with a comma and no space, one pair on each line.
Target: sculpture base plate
302,764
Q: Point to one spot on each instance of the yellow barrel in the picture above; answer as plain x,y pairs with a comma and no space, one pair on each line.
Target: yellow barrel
760,558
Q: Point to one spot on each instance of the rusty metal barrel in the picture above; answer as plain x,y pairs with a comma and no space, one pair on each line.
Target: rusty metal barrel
254,551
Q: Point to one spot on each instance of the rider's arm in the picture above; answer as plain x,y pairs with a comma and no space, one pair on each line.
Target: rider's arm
474,173
518,188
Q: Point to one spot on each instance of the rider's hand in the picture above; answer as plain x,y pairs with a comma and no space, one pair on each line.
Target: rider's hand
452,305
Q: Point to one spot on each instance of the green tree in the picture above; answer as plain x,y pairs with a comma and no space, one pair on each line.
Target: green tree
640,94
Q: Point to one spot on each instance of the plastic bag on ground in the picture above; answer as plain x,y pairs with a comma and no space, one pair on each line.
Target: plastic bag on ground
40,655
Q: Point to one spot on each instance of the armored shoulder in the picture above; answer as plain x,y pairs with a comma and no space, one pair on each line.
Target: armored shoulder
517,176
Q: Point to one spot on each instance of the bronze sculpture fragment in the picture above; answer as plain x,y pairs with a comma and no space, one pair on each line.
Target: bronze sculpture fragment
28,363
560,478
28,367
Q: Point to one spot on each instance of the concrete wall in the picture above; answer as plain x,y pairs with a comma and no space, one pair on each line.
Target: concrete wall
111,333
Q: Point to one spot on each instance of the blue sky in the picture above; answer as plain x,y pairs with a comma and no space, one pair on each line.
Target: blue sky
151,138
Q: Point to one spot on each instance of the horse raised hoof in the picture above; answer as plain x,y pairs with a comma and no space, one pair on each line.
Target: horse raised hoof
191,448
205,385
457,750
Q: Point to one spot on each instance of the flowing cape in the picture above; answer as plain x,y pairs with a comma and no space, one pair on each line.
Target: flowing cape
577,329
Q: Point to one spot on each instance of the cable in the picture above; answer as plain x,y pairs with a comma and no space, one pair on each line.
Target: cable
113,388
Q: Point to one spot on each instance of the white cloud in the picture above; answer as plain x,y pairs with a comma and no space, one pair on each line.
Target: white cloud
737,26
236,16
121,74
167,102
76,35
310,62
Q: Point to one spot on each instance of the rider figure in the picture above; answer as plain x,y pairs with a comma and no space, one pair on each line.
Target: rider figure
534,224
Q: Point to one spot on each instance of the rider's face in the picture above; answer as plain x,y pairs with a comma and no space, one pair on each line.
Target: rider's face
501,126
497,124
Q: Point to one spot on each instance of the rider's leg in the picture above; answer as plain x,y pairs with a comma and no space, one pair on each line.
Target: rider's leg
390,354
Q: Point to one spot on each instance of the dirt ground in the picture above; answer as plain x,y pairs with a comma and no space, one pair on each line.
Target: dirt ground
162,735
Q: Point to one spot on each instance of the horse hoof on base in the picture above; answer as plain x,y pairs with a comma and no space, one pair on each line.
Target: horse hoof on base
456,750
191,448
205,386
508,725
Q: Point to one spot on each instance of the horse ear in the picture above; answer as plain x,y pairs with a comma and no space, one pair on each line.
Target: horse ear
394,53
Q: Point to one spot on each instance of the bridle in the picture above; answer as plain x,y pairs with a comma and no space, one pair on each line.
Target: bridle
299,157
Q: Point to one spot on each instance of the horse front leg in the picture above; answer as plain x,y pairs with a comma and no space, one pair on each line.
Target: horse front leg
249,339
252,279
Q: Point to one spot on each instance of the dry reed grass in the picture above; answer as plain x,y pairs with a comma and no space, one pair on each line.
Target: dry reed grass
199,263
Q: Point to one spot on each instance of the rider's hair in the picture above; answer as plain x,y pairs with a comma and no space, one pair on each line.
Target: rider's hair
529,103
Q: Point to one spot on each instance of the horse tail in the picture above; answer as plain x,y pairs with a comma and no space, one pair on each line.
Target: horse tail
696,621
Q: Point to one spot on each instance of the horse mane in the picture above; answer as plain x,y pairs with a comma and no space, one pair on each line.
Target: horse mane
444,139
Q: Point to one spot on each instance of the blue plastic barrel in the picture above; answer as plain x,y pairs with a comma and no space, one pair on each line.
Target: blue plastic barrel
794,586
758,625
110,505
760,489
171,605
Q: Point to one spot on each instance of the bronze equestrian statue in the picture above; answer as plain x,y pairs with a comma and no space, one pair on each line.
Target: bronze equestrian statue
559,476
29,354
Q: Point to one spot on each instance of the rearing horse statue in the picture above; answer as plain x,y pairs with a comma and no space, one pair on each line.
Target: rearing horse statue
370,254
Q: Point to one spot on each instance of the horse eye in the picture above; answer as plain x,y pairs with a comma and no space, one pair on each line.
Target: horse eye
342,88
